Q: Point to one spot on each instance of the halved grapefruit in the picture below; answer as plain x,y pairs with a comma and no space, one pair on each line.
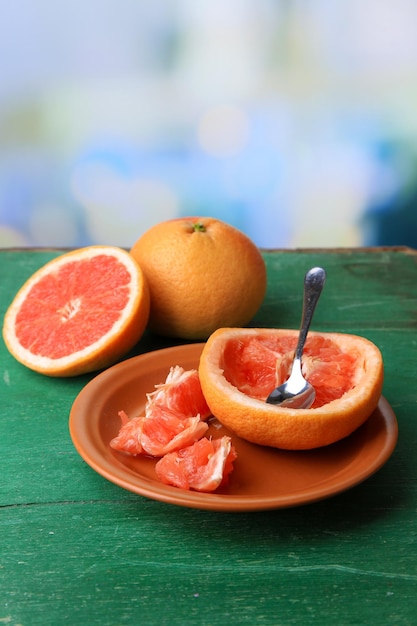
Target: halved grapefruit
80,312
239,367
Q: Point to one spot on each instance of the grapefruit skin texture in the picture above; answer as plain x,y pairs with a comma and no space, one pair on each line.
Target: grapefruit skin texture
102,332
203,274
286,428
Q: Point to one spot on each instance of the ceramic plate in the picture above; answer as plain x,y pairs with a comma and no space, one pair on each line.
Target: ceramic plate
263,478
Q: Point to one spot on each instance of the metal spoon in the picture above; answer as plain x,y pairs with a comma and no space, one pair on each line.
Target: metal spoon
297,392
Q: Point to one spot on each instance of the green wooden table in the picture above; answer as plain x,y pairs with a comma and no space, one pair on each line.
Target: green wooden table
76,549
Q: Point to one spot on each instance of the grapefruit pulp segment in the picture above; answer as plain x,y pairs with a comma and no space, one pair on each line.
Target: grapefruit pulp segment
164,431
181,393
188,459
203,466
129,438
173,417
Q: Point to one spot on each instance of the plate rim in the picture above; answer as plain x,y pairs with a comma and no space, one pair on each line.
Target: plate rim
127,479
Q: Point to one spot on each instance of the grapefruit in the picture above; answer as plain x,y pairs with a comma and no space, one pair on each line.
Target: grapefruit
163,431
202,273
174,417
80,312
203,466
181,393
158,432
240,367
129,438
168,430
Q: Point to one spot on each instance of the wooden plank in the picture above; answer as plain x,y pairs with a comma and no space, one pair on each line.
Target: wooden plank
338,562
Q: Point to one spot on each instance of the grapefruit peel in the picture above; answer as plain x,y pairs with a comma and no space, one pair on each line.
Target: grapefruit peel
292,429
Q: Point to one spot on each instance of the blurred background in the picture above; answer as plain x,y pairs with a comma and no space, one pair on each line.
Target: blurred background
294,120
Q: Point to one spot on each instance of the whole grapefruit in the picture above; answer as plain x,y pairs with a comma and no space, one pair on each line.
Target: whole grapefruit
202,273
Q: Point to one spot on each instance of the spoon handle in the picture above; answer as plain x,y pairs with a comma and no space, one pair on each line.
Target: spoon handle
313,285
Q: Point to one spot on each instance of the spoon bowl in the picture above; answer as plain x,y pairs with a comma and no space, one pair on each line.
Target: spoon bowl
297,392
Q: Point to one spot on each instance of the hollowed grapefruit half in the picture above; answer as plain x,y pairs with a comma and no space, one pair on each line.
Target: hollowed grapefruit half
239,367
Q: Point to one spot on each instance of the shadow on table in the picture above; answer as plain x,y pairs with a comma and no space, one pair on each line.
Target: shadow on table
387,492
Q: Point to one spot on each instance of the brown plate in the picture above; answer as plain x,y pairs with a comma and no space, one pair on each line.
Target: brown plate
263,478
